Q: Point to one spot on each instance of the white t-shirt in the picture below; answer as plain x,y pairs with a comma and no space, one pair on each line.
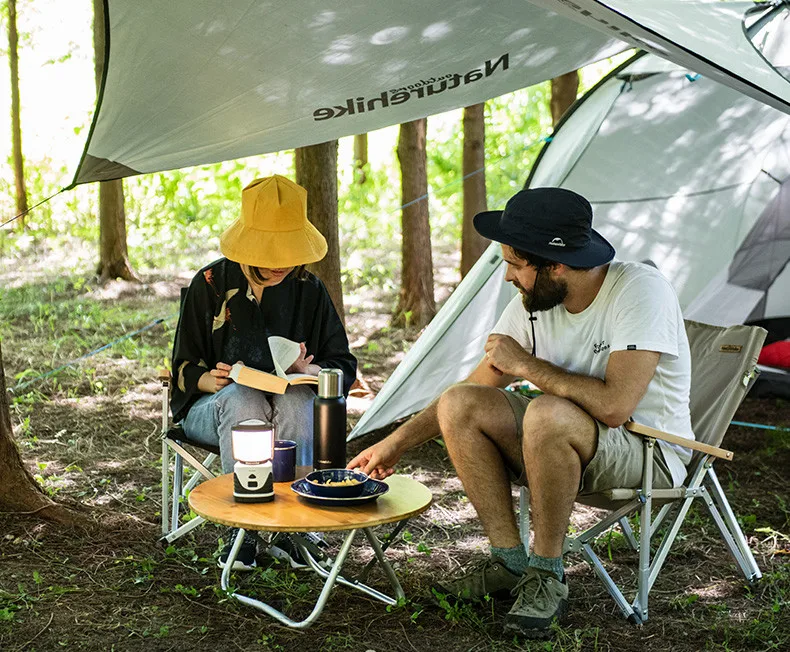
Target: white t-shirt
635,309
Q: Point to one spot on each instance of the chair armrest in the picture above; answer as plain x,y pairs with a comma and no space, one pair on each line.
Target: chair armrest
647,431
163,375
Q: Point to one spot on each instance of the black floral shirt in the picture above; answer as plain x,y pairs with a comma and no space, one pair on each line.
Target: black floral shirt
221,321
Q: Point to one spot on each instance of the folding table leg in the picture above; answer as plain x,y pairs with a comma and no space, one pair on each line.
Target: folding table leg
374,543
331,578
363,574
356,583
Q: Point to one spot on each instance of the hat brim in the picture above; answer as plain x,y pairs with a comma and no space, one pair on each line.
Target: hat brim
598,250
272,249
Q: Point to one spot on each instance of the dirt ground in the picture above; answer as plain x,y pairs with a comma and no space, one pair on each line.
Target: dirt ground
92,437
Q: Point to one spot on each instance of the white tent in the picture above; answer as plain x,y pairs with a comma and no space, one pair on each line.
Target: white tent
680,170
198,81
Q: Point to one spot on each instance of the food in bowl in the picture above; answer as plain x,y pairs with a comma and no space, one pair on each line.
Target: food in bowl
337,483
347,482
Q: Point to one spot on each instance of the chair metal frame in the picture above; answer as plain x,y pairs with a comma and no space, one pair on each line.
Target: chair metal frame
701,483
173,440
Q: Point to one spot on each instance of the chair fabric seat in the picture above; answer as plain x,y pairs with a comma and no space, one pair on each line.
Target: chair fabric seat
177,434
616,498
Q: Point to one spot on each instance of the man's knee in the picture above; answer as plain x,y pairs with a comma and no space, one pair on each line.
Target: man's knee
551,420
459,404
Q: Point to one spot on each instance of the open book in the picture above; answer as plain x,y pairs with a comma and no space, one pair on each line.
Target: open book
284,354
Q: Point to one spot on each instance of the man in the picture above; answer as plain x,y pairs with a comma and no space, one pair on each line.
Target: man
605,342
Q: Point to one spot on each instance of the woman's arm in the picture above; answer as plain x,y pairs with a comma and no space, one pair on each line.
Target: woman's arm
192,346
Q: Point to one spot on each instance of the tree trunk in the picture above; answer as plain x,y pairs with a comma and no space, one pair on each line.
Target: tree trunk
472,243
360,158
563,94
416,305
19,492
316,171
113,252
16,122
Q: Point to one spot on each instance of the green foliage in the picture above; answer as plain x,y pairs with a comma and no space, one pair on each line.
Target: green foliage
683,602
572,640
516,126
455,611
779,440
368,215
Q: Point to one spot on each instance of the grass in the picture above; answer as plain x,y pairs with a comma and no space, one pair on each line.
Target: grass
90,434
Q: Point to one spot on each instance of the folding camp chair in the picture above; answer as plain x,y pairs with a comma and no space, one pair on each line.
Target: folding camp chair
174,440
723,369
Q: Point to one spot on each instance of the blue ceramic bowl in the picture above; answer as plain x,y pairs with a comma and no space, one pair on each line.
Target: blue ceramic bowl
318,483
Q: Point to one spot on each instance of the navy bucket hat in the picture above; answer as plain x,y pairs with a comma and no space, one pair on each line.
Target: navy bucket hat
554,223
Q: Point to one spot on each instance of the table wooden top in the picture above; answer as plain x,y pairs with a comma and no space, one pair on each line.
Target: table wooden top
213,500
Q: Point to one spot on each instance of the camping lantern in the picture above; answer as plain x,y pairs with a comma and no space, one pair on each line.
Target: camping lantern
253,450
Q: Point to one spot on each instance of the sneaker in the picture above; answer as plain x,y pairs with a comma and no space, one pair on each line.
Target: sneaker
284,549
316,538
245,560
487,577
541,599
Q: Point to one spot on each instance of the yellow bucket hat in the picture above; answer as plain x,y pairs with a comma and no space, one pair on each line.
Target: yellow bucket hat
273,230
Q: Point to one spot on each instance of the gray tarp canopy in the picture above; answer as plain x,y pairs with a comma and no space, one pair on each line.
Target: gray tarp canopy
189,82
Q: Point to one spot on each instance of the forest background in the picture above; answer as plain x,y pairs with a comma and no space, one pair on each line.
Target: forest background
85,418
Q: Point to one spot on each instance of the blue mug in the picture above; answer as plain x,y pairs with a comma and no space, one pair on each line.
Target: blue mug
284,463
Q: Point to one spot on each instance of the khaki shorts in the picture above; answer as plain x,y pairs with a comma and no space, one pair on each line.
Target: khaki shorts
617,462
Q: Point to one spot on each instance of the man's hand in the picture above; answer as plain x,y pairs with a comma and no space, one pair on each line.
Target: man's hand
378,460
213,381
302,364
505,355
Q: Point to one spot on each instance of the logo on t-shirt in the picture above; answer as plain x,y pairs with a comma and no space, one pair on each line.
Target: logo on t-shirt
600,346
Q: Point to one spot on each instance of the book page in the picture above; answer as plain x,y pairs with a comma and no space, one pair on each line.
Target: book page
284,353
258,379
301,379
234,371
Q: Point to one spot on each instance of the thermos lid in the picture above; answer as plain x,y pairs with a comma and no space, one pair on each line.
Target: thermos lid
330,383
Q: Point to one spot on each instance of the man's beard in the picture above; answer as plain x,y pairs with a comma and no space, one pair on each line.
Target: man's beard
545,294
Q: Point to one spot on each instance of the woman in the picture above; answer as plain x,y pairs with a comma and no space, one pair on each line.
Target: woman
232,306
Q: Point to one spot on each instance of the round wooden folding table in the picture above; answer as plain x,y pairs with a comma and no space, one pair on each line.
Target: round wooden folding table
213,500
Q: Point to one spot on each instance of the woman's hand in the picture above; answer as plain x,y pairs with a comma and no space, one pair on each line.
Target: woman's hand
302,364
213,381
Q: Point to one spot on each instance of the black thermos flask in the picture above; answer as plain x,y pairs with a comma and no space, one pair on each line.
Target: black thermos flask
329,421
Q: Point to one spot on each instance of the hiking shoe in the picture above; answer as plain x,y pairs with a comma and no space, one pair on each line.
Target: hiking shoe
487,577
245,560
541,599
